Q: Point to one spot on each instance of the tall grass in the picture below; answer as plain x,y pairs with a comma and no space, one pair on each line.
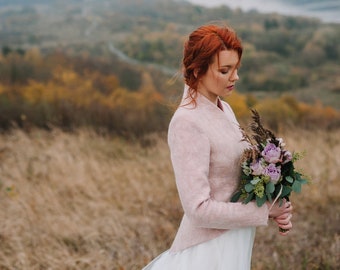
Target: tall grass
83,201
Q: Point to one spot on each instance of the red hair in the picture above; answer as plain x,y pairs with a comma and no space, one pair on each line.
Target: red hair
201,47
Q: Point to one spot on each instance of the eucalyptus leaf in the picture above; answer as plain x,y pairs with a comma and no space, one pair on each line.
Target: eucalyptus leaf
286,190
255,181
249,198
236,196
260,201
289,179
303,181
277,188
296,186
269,197
297,176
249,187
270,187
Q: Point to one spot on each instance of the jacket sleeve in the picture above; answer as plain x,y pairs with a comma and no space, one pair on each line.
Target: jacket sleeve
190,156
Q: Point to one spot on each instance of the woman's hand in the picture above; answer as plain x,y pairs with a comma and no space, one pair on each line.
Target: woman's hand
284,222
282,215
276,210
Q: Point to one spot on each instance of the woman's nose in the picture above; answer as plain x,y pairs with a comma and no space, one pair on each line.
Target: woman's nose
234,76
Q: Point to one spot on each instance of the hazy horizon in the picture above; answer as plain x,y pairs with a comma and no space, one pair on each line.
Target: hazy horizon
327,10
324,11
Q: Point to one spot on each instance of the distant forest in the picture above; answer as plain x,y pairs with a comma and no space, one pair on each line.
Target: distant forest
71,63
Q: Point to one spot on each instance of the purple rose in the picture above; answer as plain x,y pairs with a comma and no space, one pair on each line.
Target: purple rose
257,167
271,153
273,172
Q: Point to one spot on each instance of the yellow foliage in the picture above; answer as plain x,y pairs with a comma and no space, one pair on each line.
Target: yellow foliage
119,98
65,76
276,113
141,101
104,84
68,85
101,97
239,104
2,89
35,92
110,82
319,115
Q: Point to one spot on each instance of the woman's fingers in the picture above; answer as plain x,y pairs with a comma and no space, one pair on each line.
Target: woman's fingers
284,223
288,207
278,209
285,229
283,219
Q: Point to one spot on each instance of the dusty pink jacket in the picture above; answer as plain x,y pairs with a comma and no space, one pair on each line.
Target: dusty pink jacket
205,146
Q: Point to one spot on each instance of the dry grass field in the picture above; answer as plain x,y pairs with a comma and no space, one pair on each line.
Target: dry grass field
82,201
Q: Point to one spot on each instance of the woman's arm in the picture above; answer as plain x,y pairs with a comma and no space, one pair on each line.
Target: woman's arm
190,155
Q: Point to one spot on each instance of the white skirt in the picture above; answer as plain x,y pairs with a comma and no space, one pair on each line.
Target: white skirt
232,250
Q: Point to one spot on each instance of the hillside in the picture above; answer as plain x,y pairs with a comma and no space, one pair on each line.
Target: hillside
283,54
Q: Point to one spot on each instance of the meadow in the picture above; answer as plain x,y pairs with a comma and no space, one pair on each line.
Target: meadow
86,201
95,197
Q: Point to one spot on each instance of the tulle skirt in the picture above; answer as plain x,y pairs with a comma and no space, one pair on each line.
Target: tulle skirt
232,250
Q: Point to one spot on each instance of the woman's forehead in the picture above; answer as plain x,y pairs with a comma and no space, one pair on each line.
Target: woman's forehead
227,58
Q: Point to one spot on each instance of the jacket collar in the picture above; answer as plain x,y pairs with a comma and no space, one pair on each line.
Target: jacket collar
203,102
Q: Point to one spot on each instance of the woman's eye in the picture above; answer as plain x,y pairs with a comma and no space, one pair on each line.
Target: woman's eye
224,71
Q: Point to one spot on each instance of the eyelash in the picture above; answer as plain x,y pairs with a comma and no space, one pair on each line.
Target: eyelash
224,72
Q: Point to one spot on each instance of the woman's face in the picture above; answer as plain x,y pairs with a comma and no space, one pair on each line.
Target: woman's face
221,76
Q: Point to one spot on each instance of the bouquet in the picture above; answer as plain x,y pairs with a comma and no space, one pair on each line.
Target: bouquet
268,172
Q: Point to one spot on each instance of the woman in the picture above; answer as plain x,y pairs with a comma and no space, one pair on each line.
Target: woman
206,146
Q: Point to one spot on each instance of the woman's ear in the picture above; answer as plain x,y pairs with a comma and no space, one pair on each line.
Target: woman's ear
196,72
